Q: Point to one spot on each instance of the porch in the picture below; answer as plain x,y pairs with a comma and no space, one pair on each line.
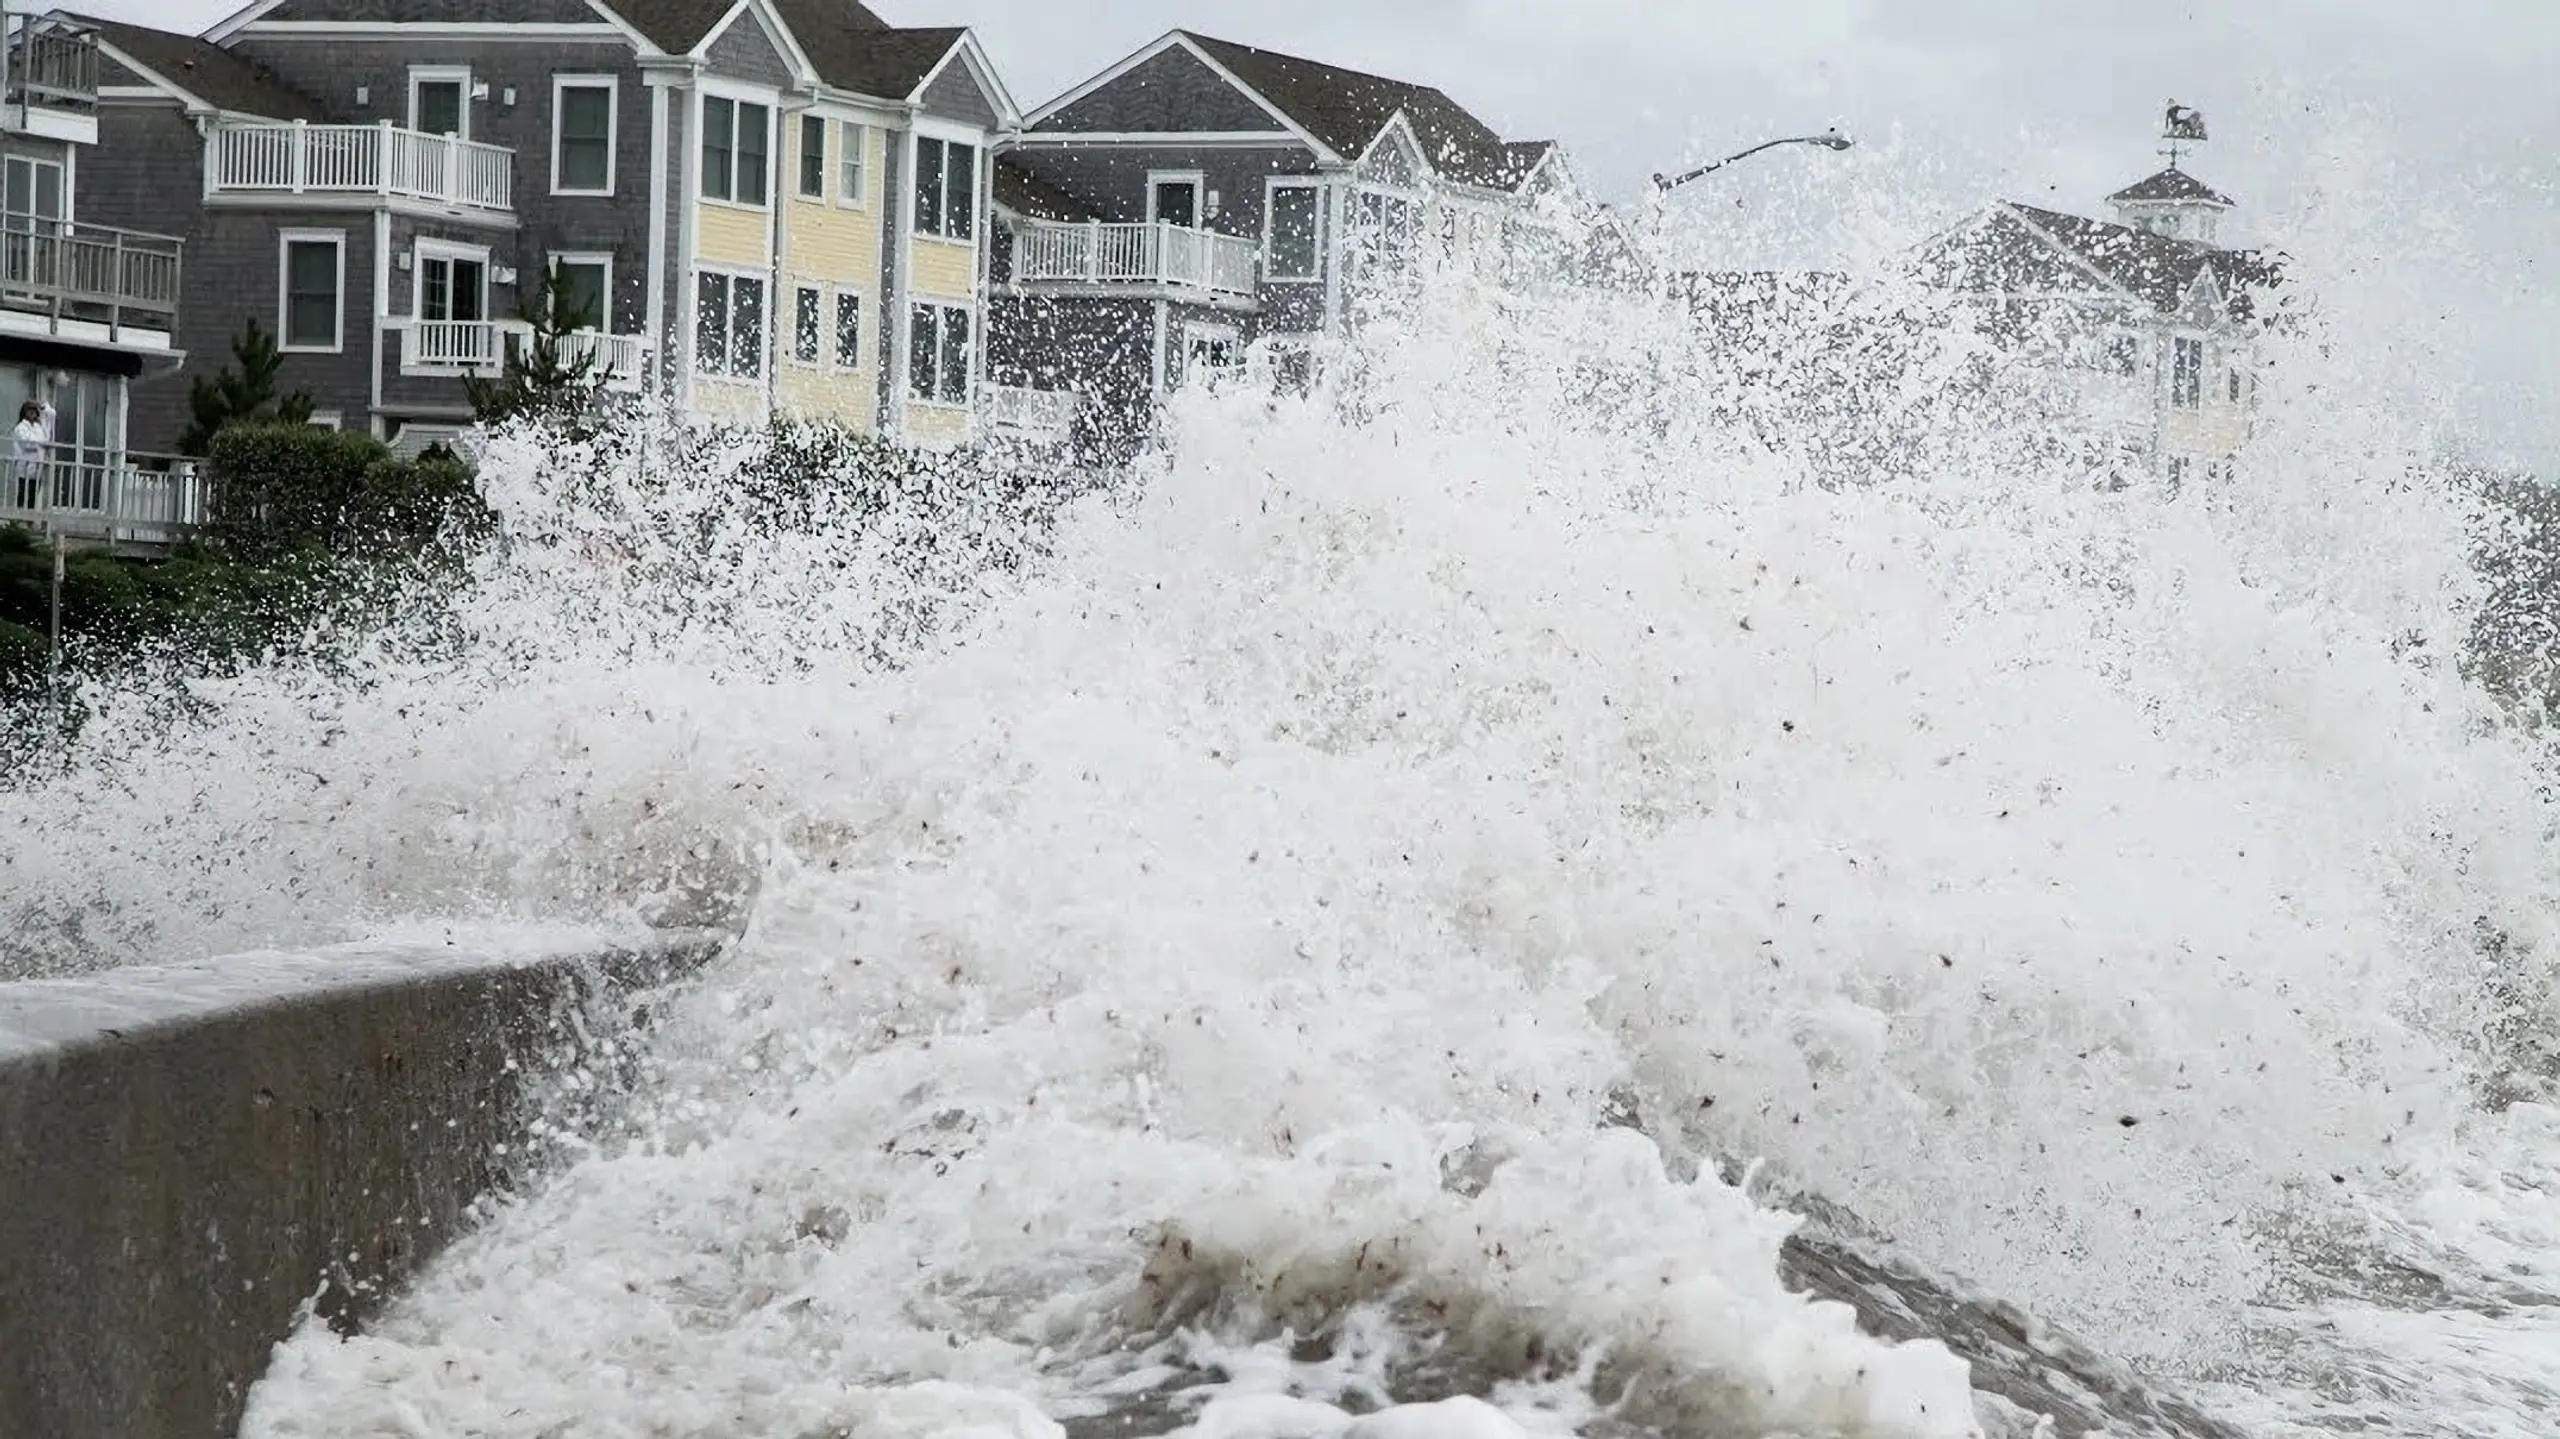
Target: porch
93,275
1221,269
123,501
255,162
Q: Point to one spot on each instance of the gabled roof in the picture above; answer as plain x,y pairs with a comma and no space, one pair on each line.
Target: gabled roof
1348,110
2172,184
201,72
674,26
2024,249
1024,193
882,61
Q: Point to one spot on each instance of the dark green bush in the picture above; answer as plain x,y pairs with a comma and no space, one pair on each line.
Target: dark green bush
294,489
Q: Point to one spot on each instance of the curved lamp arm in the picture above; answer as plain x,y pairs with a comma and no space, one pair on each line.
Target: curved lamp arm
1828,139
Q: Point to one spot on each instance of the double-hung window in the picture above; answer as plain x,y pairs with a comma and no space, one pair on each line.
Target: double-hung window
946,189
807,308
848,330
728,325
736,149
853,145
582,115
813,157
314,290
938,354
2186,373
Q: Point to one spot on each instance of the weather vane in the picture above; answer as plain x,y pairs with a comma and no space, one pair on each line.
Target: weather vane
2183,126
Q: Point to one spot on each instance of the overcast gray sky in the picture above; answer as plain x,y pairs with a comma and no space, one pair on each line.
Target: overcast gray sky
2415,142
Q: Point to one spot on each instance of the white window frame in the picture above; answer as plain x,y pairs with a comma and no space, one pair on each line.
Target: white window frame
423,249
853,147
285,241
969,379
61,184
1199,183
825,336
612,87
424,75
764,350
803,119
736,95
1271,187
835,328
978,181
604,258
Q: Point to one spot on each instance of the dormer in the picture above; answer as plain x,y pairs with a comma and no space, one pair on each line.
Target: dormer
2172,203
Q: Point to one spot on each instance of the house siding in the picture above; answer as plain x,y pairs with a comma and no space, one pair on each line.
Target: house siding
238,257
944,270
746,51
955,95
146,173
1112,179
731,236
1171,91
838,249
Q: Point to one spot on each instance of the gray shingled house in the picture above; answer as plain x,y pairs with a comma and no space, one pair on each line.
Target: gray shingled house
1204,200
762,205
89,312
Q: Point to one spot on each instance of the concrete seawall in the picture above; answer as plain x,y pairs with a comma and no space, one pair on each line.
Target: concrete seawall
191,1155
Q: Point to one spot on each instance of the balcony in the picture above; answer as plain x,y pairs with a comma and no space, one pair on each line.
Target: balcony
267,163
1038,416
93,275
53,65
481,347
1173,257
89,494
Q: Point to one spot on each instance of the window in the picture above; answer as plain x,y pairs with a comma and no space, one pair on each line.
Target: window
582,286
728,325
2186,377
2239,385
807,313
848,330
34,191
438,96
2123,355
1290,233
1174,200
735,154
855,146
2178,465
946,189
313,270
938,354
813,157
453,284
582,136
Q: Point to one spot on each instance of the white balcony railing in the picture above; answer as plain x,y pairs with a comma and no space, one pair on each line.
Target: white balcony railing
620,361
1046,251
1044,415
381,160
481,347
93,495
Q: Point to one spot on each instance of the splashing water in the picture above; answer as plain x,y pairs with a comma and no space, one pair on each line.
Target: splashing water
1293,958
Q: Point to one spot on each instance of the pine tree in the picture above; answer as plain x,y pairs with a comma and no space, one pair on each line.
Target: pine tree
534,381
245,395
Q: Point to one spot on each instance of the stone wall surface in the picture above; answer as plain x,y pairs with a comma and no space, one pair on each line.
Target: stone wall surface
194,1157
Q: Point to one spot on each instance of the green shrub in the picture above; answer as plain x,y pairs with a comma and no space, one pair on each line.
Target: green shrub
293,489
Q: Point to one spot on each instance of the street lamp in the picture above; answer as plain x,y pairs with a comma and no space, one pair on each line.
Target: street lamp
1830,139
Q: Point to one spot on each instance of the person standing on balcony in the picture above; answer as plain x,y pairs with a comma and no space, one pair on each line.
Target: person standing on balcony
27,446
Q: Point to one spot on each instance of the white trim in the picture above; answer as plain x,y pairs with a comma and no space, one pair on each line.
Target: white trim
736,94
655,266
2106,283
1271,185
459,75
426,247
827,154
978,167
859,144
624,28
545,32
553,260
729,326
1199,183
612,86
977,341
381,309
825,325
327,420
285,241
982,72
688,240
231,24
1182,139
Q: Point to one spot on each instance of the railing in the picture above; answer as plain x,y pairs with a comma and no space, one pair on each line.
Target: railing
383,160
1154,254
620,361
53,65
89,494
455,346
1032,414
89,271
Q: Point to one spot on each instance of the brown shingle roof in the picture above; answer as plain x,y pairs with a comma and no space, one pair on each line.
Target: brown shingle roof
2025,248
674,26
2171,184
207,71
856,50
1347,110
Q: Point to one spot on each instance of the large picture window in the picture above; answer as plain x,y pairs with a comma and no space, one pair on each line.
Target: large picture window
728,325
737,150
946,189
938,354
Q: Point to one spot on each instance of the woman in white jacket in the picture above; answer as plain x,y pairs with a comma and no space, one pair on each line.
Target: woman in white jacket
27,446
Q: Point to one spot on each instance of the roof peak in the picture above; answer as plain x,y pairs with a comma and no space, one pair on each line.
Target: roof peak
2171,186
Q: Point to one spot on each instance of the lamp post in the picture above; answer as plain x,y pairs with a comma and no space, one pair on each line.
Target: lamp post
1829,140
